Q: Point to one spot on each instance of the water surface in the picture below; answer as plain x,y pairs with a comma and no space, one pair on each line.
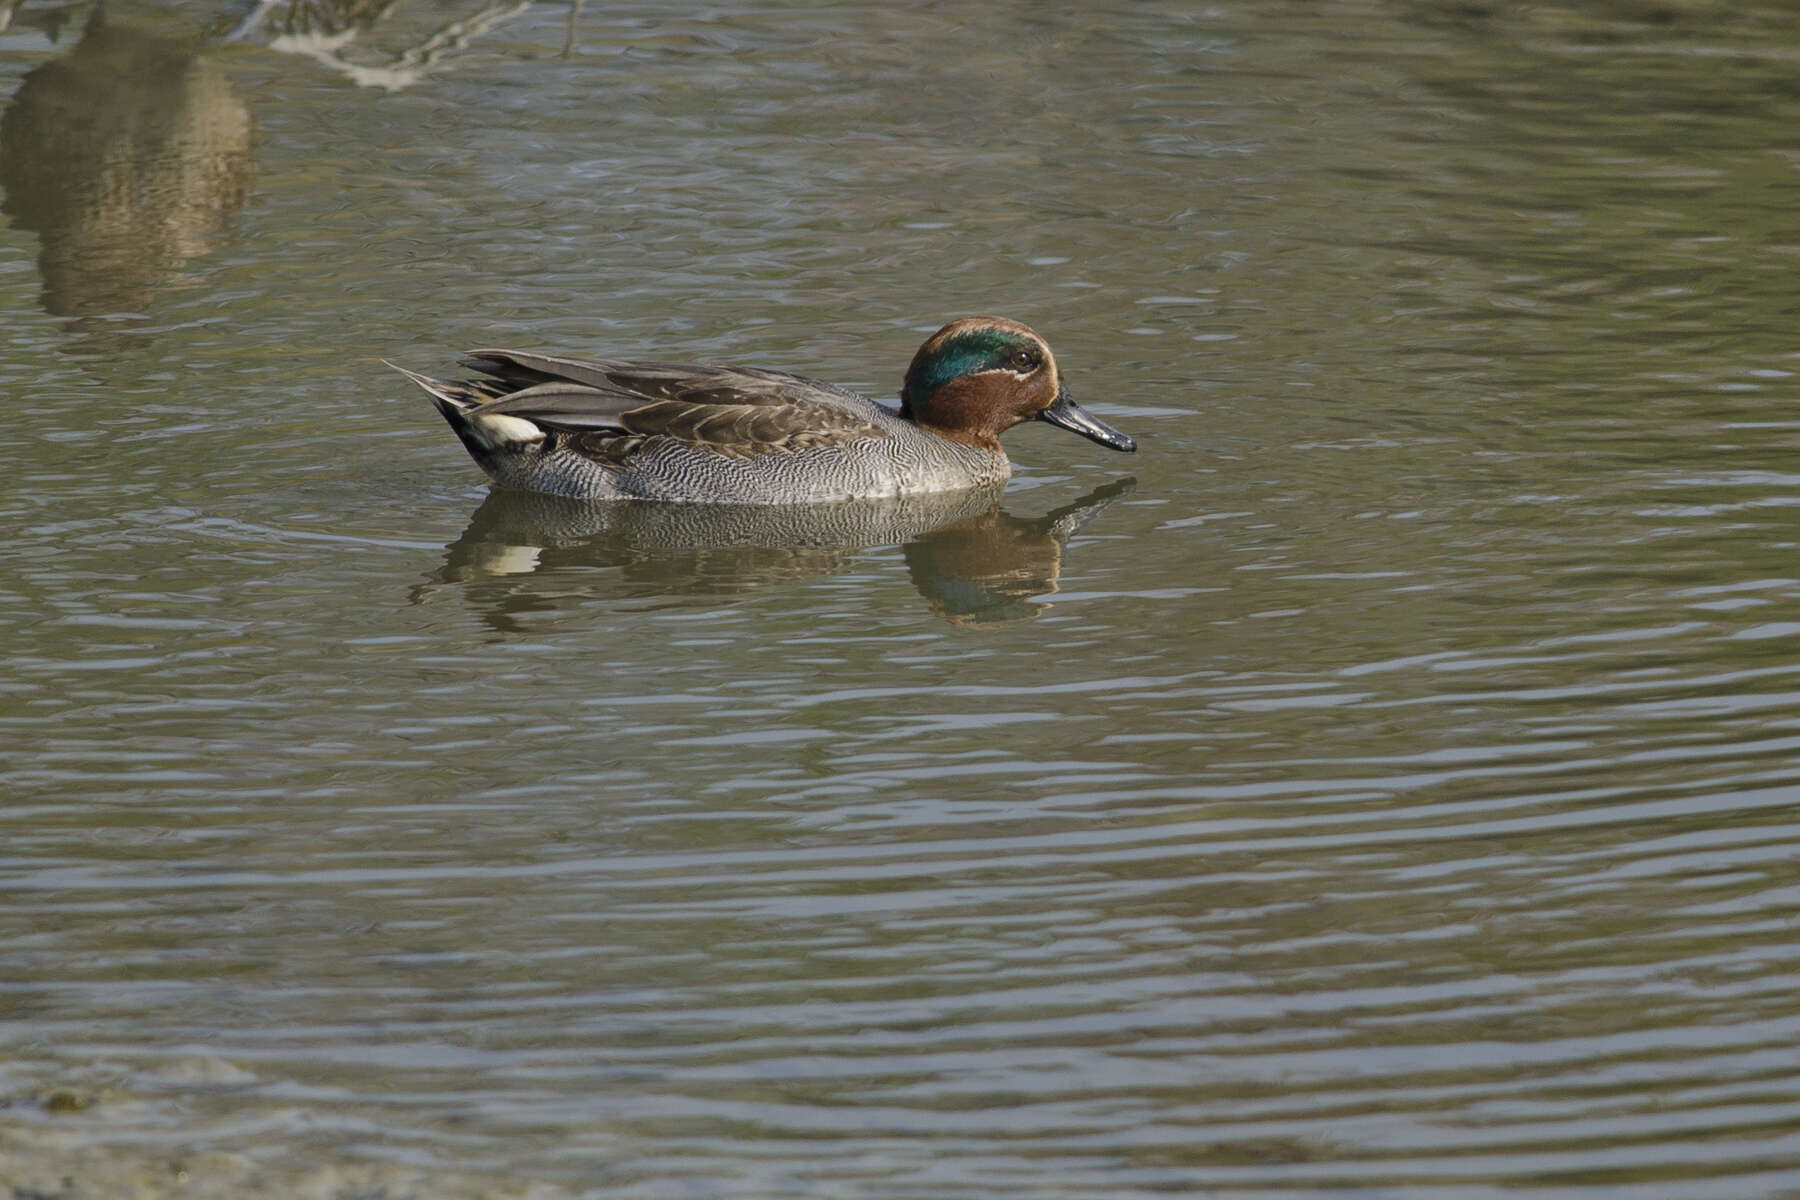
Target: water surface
1383,784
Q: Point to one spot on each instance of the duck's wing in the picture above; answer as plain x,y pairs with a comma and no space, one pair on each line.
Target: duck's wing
686,382
614,407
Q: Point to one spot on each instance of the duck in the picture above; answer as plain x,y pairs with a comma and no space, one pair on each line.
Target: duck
608,429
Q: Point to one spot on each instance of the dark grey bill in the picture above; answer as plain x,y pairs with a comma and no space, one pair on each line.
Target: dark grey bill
1073,417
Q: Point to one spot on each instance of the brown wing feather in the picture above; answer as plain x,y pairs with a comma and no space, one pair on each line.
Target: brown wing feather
611,410
648,380
712,385
572,407
740,431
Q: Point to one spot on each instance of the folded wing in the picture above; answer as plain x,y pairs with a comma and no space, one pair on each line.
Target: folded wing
614,409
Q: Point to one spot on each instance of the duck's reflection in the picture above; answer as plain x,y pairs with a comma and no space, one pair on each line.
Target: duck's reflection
973,561
985,569
127,156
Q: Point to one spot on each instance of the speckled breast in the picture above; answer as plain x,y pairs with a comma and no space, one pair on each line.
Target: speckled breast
907,462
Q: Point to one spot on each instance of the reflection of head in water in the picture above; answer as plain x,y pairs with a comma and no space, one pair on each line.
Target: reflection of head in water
127,157
984,571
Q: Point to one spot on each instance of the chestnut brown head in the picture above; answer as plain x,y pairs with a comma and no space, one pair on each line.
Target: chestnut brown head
977,377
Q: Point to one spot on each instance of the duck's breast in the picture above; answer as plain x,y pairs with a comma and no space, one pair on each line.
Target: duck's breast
906,461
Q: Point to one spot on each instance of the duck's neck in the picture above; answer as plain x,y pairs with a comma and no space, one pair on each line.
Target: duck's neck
959,411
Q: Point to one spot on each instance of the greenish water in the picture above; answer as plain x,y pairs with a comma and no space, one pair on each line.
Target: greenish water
1384,784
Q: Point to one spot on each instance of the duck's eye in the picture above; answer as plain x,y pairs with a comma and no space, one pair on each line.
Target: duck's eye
1025,360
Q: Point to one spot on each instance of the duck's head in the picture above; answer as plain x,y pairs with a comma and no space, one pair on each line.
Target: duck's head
977,377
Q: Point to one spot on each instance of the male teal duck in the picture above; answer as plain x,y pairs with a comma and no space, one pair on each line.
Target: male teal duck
596,428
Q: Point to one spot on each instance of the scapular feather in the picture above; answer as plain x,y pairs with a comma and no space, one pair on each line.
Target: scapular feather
615,408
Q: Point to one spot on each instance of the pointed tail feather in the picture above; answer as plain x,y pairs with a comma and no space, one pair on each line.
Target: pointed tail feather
459,397
483,436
